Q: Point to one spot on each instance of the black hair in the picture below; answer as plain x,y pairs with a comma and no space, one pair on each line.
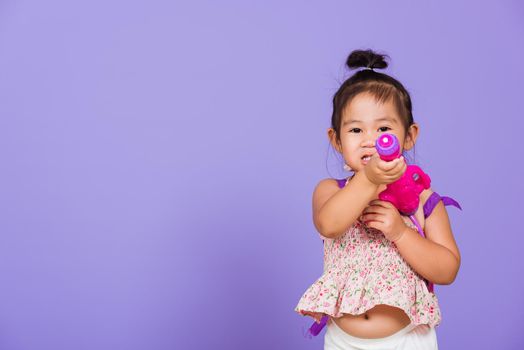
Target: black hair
379,85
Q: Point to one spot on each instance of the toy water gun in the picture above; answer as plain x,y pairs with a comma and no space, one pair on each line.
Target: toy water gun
404,193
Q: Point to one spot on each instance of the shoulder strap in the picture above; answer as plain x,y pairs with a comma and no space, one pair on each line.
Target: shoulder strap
434,199
341,182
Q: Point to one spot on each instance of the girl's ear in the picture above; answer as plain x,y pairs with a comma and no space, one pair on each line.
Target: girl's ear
332,136
411,136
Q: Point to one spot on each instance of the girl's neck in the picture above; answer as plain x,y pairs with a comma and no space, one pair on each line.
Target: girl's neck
351,176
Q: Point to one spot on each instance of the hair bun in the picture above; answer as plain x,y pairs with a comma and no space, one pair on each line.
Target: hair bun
366,58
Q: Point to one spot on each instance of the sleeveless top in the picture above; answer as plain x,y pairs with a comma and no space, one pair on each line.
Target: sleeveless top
362,269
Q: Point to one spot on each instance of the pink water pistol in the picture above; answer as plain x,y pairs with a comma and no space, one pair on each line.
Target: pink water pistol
404,193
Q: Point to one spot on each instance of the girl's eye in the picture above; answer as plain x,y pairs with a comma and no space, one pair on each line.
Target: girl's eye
381,129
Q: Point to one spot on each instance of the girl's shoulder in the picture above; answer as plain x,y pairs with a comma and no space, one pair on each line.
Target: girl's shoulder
323,191
330,183
327,187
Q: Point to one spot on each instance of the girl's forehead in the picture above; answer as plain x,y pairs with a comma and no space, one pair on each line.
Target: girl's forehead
366,108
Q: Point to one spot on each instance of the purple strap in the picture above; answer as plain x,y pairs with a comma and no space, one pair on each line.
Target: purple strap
433,201
341,182
316,327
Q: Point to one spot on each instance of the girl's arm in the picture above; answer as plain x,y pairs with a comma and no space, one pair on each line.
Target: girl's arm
436,257
335,209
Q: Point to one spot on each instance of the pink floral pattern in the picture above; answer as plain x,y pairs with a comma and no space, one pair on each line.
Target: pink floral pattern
362,268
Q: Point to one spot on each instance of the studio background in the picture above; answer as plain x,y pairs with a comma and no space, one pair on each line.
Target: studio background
158,161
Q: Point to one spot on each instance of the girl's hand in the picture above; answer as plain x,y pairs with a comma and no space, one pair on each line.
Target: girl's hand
380,172
383,216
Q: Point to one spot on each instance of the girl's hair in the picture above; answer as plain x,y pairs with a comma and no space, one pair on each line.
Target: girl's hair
381,86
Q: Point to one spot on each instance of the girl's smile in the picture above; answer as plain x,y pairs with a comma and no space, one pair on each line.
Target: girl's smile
366,159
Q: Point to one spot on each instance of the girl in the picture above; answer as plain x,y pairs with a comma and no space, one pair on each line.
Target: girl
376,264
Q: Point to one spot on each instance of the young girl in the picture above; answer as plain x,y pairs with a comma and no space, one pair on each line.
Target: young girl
376,264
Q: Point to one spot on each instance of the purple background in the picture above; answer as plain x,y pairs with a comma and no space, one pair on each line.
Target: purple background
158,162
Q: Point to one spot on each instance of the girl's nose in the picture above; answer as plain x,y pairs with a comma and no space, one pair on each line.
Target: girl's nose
368,143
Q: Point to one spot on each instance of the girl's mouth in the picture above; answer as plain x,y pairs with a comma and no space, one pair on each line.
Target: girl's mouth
366,159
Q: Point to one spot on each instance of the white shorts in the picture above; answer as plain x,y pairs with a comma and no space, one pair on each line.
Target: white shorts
419,337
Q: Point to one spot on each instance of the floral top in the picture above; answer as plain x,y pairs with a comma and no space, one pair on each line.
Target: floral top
362,268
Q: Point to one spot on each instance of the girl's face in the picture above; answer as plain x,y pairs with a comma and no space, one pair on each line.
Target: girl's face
363,121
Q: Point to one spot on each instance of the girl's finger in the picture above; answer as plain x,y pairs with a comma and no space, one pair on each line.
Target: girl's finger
402,165
373,223
382,208
372,217
396,167
377,205
385,166
389,166
374,210
395,173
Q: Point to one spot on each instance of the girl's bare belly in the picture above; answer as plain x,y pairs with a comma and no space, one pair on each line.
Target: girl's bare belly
378,322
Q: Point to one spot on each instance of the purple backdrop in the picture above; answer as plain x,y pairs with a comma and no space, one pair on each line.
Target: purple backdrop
158,162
